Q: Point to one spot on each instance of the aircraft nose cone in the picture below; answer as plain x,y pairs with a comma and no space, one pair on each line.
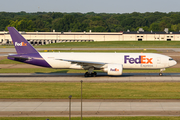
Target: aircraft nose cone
172,63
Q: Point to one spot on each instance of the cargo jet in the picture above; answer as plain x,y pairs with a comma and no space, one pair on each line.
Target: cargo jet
112,63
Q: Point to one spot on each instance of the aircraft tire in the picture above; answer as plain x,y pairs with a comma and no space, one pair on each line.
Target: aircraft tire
90,75
95,73
86,74
160,74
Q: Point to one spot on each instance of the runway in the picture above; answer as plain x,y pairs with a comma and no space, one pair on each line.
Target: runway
76,77
89,108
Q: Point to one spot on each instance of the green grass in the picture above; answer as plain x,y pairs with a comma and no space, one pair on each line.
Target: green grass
116,44
6,46
90,118
7,61
59,90
49,70
112,44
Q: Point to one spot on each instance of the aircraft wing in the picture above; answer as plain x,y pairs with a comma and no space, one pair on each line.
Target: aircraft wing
84,63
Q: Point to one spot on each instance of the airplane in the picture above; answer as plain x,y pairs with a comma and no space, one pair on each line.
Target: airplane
112,63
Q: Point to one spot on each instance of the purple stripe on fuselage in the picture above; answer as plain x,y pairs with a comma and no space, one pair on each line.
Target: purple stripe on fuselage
31,58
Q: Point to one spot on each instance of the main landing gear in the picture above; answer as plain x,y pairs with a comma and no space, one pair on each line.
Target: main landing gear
90,73
161,70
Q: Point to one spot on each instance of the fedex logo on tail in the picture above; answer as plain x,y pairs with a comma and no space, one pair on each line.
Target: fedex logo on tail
20,44
142,59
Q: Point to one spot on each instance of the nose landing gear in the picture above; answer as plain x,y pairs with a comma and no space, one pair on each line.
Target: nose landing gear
160,74
161,70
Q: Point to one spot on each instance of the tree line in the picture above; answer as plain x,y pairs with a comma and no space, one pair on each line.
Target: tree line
97,22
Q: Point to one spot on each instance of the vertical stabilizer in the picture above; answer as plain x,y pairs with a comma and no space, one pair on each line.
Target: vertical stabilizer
20,43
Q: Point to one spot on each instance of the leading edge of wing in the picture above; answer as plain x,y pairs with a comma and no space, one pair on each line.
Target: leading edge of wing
83,62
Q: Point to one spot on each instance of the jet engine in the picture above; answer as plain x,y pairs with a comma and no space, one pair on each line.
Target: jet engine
113,69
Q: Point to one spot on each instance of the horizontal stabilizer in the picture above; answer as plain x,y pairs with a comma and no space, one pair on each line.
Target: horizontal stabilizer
16,58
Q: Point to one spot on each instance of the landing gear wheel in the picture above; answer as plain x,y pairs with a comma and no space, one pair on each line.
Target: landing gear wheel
160,74
90,75
93,74
86,74
161,70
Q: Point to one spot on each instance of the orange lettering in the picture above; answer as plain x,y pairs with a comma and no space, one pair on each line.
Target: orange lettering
24,44
142,60
149,60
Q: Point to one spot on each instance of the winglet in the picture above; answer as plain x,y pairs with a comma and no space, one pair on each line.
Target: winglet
20,43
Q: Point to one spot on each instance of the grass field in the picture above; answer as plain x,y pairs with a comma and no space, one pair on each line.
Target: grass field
90,118
122,90
112,44
118,44
7,61
6,46
49,70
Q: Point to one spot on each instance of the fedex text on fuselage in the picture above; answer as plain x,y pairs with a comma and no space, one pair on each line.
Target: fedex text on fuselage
142,59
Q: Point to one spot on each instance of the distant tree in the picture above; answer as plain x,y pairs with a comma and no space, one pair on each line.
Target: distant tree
21,25
175,28
155,27
98,22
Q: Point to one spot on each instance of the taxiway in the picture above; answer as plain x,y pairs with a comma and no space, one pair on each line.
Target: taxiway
89,108
76,77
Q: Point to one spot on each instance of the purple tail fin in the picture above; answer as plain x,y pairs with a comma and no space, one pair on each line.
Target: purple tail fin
20,43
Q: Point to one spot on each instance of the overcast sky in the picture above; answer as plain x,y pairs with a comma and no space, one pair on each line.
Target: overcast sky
84,6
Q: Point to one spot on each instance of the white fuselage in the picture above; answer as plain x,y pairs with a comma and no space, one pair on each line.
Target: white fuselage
128,60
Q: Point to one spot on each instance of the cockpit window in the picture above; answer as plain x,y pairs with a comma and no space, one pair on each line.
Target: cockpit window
170,59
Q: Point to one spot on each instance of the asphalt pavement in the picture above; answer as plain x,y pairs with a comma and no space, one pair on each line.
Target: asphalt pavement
76,77
89,108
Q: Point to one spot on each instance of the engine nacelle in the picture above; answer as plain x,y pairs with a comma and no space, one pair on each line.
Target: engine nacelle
114,69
